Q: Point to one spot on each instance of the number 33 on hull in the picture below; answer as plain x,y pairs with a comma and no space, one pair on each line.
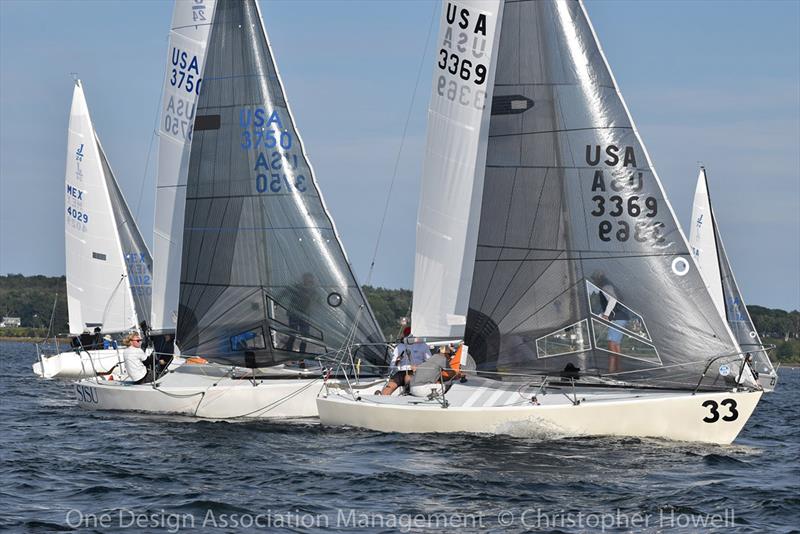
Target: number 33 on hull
681,416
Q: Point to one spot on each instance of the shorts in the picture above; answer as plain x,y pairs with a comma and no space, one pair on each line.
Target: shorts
615,335
399,377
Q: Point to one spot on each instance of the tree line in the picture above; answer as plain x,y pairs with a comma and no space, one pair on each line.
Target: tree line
31,299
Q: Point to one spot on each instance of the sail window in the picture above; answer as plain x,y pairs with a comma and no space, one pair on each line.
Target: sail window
510,104
99,256
622,316
250,340
294,343
568,340
611,339
291,320
334,300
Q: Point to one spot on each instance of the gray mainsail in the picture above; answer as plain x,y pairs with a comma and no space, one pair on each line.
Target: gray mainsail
264,278
138,262
579,258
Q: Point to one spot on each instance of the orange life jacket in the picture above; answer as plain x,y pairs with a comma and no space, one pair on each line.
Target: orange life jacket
455,366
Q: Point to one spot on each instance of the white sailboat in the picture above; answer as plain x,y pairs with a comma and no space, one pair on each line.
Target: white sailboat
546,242
108,266
709,252
264,280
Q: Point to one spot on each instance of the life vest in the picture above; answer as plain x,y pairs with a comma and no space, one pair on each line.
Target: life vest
455,365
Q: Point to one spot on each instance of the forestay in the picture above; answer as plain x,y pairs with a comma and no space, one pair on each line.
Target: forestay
107,262
709,251
579,257
264,277
191,21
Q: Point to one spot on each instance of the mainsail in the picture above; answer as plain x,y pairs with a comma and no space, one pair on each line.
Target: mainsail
579,258
709,251
264,277
191,21
108,266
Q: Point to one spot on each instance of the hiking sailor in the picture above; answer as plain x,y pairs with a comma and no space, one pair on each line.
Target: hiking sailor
440,370
405,359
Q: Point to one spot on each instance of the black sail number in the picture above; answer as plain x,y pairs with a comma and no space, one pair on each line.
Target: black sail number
713,415
601,205
731,405
617,211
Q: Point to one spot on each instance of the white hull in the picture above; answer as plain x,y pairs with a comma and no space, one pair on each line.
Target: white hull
768,381
77,364
673,415
207,392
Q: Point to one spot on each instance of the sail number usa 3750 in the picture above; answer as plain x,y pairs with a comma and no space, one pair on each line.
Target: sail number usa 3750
620,204
276,162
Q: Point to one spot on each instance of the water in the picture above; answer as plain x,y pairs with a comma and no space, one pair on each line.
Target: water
64,467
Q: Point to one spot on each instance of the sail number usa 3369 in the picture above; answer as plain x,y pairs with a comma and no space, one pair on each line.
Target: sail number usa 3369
619,198
462,56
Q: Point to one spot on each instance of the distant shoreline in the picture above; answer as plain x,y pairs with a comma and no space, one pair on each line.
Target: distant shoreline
792,365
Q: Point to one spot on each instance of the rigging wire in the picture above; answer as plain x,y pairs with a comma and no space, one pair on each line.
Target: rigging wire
153,136
346,347
402,144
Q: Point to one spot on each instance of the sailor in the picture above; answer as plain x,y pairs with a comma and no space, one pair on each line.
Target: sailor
615,313
138,365
440,370
408,354
108,342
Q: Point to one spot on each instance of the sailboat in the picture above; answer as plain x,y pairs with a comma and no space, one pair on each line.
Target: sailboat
547,246
108,265
712,260
264,279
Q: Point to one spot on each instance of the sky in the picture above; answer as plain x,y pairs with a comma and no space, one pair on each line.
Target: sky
716,82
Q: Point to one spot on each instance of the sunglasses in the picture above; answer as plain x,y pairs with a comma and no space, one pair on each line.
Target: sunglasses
132,340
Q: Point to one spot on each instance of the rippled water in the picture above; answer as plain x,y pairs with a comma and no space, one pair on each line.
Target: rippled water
63,467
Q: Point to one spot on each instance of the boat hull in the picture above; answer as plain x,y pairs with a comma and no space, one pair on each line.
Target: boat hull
71,364
206,396
677,416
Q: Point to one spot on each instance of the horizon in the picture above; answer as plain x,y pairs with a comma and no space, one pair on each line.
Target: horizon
707,92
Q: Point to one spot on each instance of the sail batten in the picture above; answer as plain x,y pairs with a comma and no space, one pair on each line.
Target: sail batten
264,277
